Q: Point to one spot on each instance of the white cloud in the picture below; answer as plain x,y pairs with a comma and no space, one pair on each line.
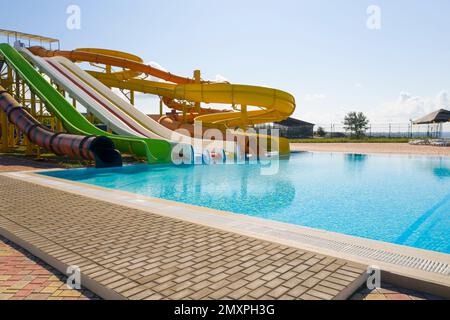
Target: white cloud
358,85
402,109
156,65
220,78
408,107
443,100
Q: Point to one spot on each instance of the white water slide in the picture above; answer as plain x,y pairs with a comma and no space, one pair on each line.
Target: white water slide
122,117
88,101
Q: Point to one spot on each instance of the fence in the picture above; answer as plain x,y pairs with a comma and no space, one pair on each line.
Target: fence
391,130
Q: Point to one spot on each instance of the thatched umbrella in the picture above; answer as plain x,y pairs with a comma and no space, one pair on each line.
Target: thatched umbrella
439,116
434,119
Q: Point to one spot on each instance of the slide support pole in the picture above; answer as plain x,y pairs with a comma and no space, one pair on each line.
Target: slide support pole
9,80
244,116
132,97
4,124
198,80
34,148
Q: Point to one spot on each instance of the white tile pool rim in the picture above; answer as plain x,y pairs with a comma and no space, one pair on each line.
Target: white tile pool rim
423,265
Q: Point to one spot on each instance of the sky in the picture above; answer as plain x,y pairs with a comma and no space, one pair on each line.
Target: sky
388,59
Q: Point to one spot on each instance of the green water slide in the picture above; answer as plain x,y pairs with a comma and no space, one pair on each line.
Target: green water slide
156,151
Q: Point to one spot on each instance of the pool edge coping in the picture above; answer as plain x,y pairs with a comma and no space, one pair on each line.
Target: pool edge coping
369,153
411,278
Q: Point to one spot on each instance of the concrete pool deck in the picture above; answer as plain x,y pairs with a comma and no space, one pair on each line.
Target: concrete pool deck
126,253
367,148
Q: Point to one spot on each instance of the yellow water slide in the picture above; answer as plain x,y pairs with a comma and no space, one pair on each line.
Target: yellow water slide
271,105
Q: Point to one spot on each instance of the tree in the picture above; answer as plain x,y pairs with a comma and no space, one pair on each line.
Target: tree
356,123
321,132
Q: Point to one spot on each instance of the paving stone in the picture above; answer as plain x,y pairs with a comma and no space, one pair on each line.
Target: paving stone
24,277
291,283
332,285
305,275
274,283
278,292
143,255
133,291
219,294
322,274
237,284
288,275
260,292
297,291
197,295
236,294
310,283
255,284
316,268
181,294
327,290
307,296
337,281
320,295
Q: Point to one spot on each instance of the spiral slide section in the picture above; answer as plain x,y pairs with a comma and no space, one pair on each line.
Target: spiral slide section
135,118
99,149
155,151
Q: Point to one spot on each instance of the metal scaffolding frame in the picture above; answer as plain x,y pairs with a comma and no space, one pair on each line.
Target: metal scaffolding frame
12,35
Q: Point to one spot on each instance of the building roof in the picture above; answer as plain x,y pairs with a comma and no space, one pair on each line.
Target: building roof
438,116
291,122
27,36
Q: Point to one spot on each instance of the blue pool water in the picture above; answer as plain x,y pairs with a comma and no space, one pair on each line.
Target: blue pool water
398,199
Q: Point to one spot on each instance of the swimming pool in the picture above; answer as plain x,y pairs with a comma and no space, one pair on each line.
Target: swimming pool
398,199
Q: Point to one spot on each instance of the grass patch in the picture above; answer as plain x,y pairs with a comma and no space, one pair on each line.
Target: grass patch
50,160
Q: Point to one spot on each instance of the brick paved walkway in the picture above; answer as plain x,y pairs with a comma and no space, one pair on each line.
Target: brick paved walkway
23,277
140,255
390,292
16,163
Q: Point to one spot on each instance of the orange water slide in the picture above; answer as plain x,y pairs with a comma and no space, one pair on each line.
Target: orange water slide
110,57
133,63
